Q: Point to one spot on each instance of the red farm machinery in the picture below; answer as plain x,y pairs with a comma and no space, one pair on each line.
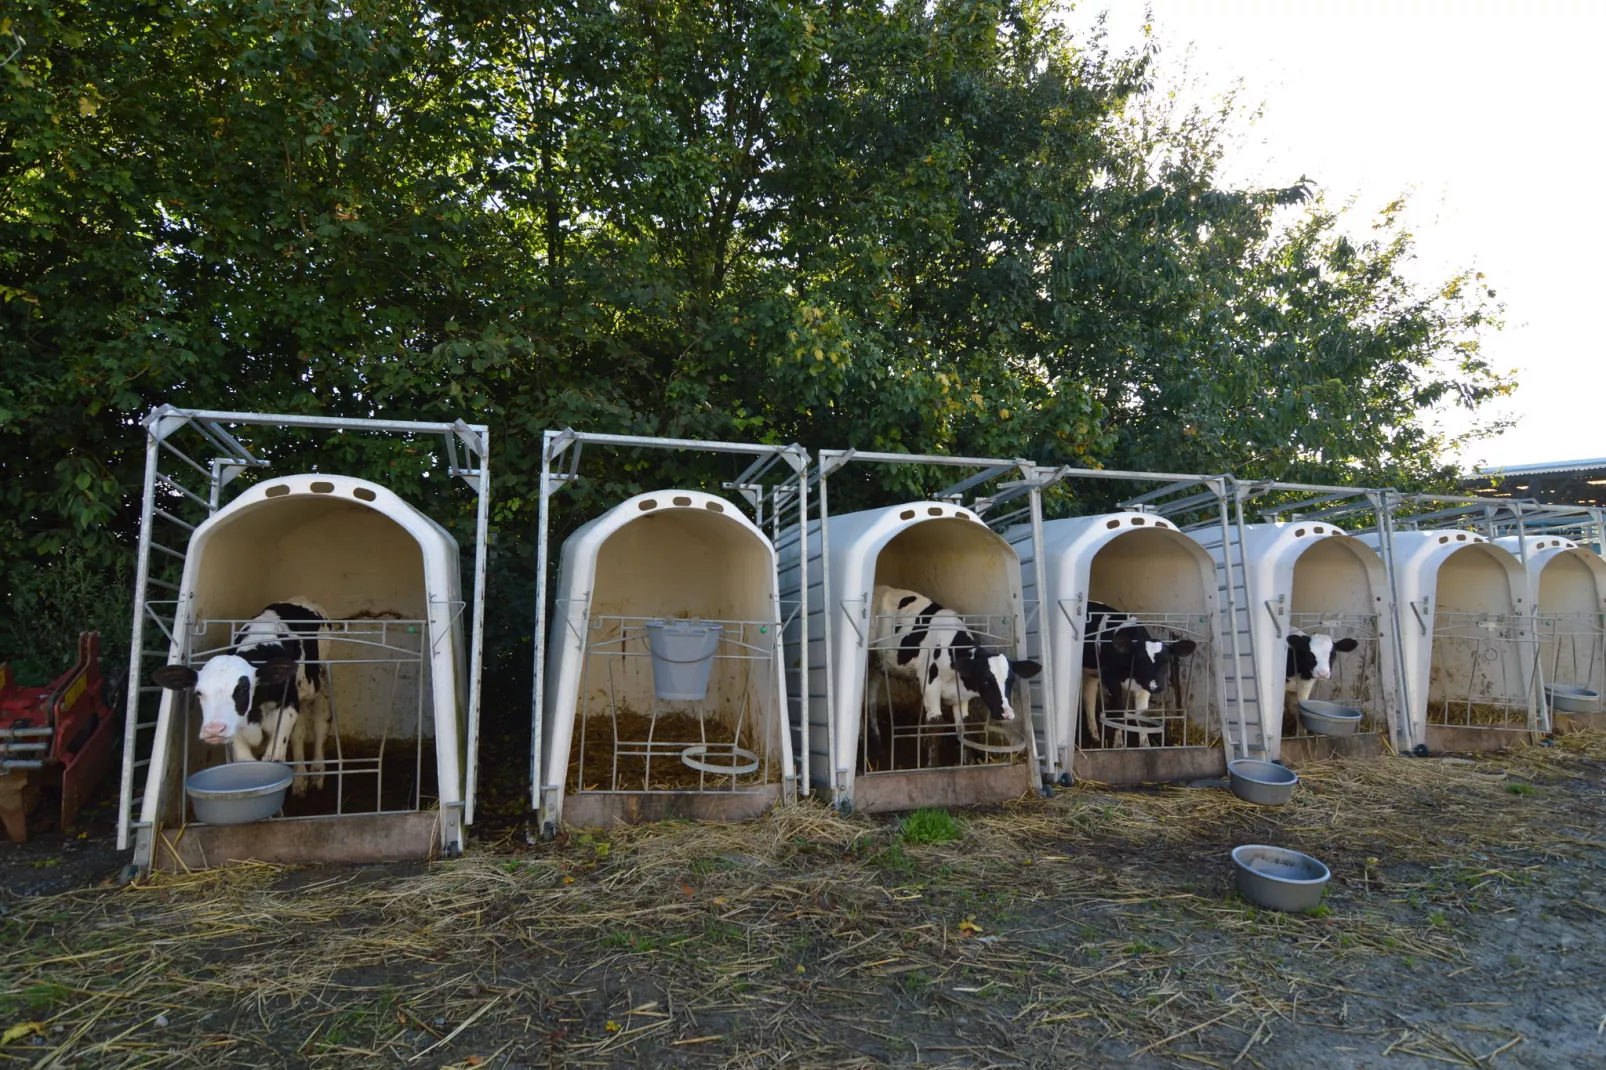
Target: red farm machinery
59,736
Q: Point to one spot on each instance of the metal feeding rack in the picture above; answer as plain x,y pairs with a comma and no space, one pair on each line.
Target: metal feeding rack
896,735
390,654
702,760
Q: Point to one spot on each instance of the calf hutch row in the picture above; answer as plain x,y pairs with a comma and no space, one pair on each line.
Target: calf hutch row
306,684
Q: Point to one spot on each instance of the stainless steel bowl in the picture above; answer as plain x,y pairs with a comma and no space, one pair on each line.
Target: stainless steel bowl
1266,783
239,792
1570,698
1279,879
1329,718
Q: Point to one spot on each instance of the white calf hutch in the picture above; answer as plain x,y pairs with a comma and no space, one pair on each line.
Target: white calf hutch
873,750
1141,565
1311,578
1568,582
1466,633
661,676
624,738
400,678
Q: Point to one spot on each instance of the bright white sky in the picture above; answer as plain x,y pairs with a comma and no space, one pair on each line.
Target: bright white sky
1488,115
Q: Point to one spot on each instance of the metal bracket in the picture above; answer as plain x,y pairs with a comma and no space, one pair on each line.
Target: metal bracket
1421,622
864,611
1071,620
163,422
1276,610
836,462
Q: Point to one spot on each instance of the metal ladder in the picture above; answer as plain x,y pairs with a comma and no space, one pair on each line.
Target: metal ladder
1241,717
173,508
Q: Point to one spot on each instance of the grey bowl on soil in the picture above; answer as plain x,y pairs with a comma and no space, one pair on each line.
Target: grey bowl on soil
1266,783
1570,698
238,793
1329,718
1279,879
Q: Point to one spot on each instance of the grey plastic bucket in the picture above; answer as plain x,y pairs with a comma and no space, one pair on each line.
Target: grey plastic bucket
1570,698
238,793
1265,783
682,657
1278,878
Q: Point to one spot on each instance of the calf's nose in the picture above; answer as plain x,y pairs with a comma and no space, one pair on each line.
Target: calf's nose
213,731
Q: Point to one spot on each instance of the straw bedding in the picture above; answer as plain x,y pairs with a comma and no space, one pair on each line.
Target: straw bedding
1088,928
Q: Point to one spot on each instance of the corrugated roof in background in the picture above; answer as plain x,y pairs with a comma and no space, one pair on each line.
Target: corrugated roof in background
1540,469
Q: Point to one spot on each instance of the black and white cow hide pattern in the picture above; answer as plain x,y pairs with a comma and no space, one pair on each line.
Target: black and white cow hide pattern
265,688
1310,658
916,639
1124,662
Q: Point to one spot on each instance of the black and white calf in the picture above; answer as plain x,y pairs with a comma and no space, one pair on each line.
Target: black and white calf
1310,658
1125,662
258,689
916,639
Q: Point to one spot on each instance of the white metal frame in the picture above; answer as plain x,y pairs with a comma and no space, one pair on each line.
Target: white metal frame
1316,503
774,487
172,509
1486,518
1180,498
1008,480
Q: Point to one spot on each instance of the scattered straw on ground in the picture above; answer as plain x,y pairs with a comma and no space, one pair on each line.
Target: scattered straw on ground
1098,926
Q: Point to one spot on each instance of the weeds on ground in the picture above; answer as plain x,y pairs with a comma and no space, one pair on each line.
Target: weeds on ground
930,826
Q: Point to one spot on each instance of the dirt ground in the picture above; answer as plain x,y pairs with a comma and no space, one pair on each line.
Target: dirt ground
1465,925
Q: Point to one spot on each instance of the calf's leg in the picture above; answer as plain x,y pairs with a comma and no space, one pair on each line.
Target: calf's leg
298,756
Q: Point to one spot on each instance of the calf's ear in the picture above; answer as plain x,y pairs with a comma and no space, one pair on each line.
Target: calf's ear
175,677
1025,669
276,672
1344,646
1182,648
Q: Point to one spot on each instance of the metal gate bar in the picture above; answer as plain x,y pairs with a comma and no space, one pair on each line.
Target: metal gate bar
366,635
971,743
1573,649
625,638
1477,679
1170,721
1357,676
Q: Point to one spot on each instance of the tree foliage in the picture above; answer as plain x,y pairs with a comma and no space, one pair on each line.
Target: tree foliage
899,226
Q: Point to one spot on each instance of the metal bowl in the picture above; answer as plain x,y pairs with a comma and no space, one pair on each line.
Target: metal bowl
1329,718
239,792
1279,879
1266,783
1570,698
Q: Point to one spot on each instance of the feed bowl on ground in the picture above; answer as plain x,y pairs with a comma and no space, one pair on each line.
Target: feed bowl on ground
239,792
1279,879
1266,783
1329,718
1570,698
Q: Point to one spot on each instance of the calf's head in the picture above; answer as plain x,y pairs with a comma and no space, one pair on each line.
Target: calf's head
226,687
993,677
1150,663
1313,654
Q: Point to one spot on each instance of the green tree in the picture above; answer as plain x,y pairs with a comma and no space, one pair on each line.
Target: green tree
900,226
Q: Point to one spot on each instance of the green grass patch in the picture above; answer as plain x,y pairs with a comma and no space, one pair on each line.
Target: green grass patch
895,858
34,1000
930,826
